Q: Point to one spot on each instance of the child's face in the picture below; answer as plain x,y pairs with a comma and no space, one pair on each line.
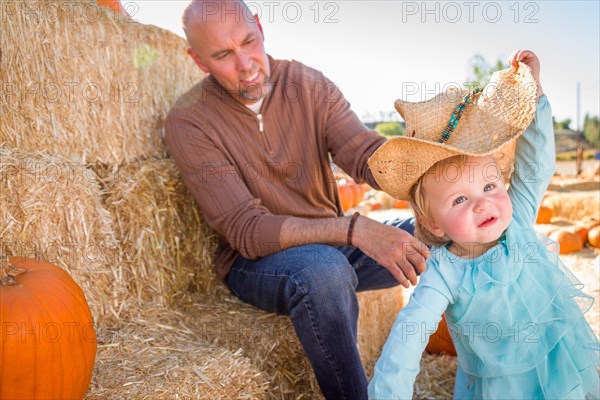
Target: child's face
469,203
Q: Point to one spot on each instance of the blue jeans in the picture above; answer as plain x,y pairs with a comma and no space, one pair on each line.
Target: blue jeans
316,285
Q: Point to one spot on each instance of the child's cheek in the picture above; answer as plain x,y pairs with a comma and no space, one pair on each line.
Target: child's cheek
458,226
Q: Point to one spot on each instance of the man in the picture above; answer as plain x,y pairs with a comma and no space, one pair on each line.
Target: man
252,141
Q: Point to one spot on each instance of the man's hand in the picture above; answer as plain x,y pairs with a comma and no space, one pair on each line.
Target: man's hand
396,250
528,58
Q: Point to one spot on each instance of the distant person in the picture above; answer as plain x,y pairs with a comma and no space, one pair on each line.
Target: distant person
508,300
253,141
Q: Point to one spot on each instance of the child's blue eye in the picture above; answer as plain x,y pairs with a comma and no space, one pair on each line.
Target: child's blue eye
459,199
488,187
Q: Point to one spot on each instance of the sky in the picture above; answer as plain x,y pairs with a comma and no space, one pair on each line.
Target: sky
379,51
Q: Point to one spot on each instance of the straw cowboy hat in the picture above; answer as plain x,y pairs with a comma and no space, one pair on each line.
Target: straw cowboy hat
479,123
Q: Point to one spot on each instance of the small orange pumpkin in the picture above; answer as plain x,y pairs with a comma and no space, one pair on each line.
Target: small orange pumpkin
544,215
441,341
594,236
581,231
358,194
48,344
346,196
374,206
569,242
400,204
114,5
589,222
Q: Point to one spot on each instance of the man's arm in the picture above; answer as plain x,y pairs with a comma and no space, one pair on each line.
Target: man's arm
351,144
393,248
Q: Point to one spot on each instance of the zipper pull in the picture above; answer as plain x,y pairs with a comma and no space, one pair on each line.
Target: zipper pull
260,122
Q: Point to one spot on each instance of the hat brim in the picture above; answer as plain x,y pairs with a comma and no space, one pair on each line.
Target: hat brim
399,163
490,124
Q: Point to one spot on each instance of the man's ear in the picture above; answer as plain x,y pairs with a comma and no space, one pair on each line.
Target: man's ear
197,60
259,26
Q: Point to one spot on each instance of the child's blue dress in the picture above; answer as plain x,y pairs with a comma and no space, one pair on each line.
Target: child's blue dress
514,313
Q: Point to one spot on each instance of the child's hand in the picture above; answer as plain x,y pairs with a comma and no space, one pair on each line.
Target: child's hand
531,60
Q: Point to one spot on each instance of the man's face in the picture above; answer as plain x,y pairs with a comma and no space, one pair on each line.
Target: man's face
231,48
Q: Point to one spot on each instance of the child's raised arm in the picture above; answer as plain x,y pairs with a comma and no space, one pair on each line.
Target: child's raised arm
535,154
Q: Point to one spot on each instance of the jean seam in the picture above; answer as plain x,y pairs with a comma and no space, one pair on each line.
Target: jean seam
317,336
313,325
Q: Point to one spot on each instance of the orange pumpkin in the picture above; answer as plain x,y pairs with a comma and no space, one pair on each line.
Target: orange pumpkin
48,344
589,222
544,215
375,206
594,236
441,341
581,231
400,204
114,5
346,196
569,242
358,194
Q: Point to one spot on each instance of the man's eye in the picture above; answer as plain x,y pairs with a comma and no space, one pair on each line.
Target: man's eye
459,199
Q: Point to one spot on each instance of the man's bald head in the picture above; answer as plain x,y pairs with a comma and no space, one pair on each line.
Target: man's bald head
201,13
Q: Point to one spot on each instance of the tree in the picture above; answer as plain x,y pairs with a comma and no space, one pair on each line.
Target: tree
591,130
561,125
390,129
481,71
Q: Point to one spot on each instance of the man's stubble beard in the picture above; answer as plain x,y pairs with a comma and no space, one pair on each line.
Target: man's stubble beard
261,92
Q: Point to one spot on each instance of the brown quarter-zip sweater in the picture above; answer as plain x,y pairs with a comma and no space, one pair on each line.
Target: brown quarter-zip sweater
249,172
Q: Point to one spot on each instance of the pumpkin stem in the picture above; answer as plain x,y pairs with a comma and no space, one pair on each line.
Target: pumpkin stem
8,272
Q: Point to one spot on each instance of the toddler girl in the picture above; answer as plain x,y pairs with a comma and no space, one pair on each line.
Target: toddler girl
510,304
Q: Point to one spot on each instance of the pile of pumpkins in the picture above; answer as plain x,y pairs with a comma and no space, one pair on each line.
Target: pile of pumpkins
571,238
353,194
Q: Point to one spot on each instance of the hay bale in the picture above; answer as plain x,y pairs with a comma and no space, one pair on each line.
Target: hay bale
270,342
570,184
436,377
156,356
50,210
171,249
267,339
574,205
84,83
378,311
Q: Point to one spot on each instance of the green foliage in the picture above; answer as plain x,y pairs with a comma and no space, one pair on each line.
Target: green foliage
560,125
144,56
481,71
572,155
390,129
591,131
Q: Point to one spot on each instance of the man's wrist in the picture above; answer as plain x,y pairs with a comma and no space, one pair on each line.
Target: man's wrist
351,228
